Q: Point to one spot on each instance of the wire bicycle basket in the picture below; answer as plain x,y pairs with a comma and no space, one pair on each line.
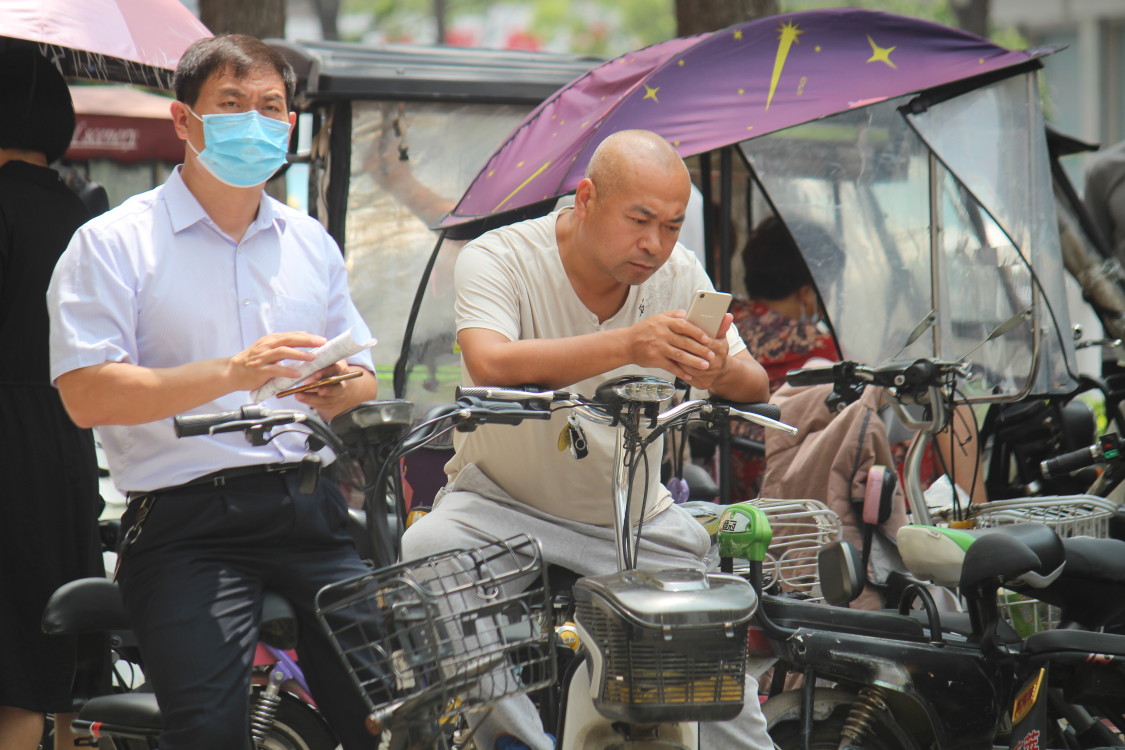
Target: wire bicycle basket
800,529
432,638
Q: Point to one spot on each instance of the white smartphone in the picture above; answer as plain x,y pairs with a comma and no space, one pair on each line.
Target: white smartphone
707,310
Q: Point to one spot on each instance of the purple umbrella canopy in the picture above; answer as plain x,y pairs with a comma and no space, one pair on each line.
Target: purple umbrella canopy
713,90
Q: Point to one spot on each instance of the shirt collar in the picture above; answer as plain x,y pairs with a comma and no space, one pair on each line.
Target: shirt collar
184,210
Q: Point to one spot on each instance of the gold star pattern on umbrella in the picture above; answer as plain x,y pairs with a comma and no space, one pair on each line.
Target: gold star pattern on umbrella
788,37
881,54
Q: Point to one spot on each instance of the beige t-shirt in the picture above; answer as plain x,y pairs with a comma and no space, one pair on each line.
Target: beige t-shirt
511,281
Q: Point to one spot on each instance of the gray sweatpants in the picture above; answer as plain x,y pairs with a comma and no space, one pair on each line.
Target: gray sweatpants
473,511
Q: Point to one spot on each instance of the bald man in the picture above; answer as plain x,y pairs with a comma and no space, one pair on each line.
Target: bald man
568,301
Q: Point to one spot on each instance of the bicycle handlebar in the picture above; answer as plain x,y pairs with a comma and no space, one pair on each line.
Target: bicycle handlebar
815,376
767,410
230,421
1068,462
498,411
476,406
488,393
477,398
1106,449
899,374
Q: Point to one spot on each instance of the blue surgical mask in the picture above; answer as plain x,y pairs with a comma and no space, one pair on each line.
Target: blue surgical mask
242,149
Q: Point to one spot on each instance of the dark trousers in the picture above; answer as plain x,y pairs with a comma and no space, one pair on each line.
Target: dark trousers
193,582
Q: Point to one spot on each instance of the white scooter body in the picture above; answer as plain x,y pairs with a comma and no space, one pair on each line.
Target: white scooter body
586,729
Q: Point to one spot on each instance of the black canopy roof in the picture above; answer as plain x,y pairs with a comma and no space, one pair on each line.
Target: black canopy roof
341,70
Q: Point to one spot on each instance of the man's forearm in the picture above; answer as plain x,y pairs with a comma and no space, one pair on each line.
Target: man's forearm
745,381
551,363
116,393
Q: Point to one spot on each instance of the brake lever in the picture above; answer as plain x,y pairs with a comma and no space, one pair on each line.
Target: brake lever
758,419
255,426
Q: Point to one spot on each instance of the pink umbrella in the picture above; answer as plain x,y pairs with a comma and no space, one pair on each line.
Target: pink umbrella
125,41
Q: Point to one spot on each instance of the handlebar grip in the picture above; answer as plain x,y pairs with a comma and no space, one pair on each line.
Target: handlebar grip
1068,462
488,393
811,376
767,410
772,411
201,424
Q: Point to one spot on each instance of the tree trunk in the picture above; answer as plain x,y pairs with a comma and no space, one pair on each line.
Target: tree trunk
259,18
699,16
328,11
972,15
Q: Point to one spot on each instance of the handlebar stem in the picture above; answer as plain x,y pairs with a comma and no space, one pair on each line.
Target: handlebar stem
621,530
915,495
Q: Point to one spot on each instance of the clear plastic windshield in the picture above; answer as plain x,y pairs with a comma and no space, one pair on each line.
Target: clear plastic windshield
410,163
928,270
994,140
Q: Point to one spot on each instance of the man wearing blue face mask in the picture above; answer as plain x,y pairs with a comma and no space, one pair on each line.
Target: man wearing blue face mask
182,300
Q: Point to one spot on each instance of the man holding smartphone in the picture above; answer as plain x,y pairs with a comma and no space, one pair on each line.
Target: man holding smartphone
182,300
568,301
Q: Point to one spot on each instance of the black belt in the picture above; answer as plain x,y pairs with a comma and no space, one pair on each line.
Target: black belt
223,477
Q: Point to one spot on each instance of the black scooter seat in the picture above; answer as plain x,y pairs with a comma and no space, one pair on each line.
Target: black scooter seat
1037,537
1096,560
132,710
1091,589
789,613
1075,641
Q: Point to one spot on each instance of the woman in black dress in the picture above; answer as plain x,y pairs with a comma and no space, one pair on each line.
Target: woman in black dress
48,472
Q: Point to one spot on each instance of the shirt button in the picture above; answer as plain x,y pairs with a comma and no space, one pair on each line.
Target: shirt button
245,301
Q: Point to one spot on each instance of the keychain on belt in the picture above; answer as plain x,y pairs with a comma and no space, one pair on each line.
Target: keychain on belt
144,507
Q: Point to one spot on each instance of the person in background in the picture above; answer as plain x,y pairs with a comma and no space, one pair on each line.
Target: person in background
184,299
1104,195
780,321
49,472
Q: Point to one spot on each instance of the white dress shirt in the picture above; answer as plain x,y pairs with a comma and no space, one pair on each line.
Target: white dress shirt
156,283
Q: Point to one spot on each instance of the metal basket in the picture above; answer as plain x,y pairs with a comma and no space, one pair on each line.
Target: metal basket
1068,515
667,645
439,636
800,529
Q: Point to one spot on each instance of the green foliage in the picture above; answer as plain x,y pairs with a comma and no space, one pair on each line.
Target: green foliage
613,27
931,10
938,11
603,28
